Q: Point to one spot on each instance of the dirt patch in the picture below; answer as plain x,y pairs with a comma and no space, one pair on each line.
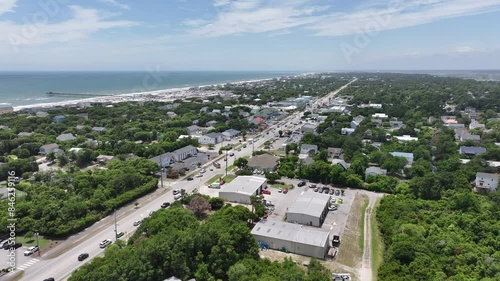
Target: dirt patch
350,252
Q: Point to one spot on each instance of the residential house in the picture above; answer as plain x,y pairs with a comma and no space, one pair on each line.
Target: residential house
41,114
6,128
164,160
309,128
171,114
468,137
377,122
407,156
244,113
48,148
212,138
227,108
66,137
24,134
341,163
368,134
476,125
374,171
356,121
99,129
216,111
104,159
347,131
456,126
308,149
471,150
264,162
84,116
58,118
406,138
380,115
185,152
396,124
231,134
335,153
193,130
211,123
486,181
449,119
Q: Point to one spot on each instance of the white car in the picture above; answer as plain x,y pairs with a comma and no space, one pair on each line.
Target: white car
137,223
202,171
31,250
199,175
105,243
177,196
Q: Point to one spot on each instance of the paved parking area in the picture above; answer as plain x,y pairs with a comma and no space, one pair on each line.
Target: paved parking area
282,201
192,162
336,220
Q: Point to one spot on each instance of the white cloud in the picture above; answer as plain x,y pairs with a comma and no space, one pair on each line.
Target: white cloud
116,4
256,16
7,6
465,49
83,23
195,22
399,14
218,3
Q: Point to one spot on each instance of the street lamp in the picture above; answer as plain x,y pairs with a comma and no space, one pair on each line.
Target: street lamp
227,160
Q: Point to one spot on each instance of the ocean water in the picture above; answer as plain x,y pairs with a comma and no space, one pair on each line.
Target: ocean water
26,88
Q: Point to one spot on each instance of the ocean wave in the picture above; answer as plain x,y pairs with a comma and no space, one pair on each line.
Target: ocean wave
5,103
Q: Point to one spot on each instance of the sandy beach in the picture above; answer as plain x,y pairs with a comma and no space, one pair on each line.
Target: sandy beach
166,95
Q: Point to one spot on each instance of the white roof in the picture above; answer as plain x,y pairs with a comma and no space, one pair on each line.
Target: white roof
310,203
291,232
406,138
244,184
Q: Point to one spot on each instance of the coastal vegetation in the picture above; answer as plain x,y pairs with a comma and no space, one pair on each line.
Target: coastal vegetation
173,242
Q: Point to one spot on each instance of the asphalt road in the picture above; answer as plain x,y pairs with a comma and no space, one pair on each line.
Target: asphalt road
61,267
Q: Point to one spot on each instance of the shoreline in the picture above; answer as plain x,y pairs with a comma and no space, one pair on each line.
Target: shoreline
165,95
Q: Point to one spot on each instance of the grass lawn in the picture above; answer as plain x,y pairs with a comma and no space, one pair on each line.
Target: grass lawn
377,243
229,178
362,225
214,178
350,253
245,157
229,168
44,243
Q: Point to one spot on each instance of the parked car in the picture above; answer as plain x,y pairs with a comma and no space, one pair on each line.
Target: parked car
202,171
83,256
266,191
199,175
231,154
280,190
301,183
165,205
31,250
120,234
285,191
189,178
105,243
312,186
316,189
337,192
49,279
332,191
176,191
332,208
177,196
9,245
137,223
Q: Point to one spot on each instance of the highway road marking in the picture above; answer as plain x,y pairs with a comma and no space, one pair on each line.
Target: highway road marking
28,264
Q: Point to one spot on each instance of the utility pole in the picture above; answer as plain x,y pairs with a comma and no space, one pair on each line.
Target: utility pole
116,228
161,172
227,160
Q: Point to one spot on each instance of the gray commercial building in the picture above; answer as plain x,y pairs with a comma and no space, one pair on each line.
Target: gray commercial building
242,188
294,238
310,209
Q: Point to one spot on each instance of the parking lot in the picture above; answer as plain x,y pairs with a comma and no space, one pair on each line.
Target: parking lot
335,221
192,162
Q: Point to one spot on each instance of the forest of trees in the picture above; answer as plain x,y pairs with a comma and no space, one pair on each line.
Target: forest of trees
63,203
172,242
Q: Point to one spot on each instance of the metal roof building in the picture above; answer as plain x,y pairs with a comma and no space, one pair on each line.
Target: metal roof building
310,208
242,188
291,237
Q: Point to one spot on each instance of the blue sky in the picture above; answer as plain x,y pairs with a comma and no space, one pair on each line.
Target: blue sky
309,35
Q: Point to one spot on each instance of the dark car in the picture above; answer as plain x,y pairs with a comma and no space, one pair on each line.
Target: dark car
165,205
301,183
312,186
190,178
120,234
9,245
83,256
337,192
49,279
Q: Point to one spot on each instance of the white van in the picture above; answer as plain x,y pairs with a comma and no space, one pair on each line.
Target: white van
214,185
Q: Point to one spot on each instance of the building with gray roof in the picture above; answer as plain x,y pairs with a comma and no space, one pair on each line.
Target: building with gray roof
242,188
310,209
406,155
472,150
264,162
66,137
294,238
